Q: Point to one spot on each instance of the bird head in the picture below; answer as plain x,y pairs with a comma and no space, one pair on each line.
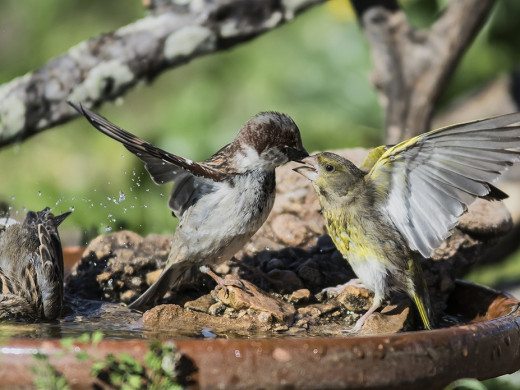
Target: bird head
45,217
268,140
330,174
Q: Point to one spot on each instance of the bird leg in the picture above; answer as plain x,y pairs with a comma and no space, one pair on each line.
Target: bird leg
359,323
221,282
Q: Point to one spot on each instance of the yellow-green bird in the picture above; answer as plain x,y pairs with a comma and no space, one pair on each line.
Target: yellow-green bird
405,200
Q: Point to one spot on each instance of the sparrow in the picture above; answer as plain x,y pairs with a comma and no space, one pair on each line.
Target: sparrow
405,200
220,202
31,267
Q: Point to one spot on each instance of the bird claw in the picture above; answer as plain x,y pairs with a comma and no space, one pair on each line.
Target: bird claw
332,292
355,329
222,283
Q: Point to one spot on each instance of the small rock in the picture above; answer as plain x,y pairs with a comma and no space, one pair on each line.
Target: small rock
288,280
391,319
124,255
103,277
317,310
222,269
485,218
325,243
300,296
355,299
289,229
251,297
265,317
259,244
151,277
202,304
310,274
129,296
274,263
217,308
136,282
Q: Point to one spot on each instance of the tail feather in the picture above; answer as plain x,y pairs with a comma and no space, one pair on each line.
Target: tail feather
167,280
419,293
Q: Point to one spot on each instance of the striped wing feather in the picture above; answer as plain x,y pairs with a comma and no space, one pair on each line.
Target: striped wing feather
190,179
432,178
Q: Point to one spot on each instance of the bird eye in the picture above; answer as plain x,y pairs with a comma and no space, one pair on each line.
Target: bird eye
329,168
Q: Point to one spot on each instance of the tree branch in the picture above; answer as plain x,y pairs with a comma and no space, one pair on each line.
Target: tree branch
105,67
411,66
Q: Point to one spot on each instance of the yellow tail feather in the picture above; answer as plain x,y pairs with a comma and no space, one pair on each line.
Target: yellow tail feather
423,312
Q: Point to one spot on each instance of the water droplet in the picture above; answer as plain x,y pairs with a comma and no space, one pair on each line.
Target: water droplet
122,196
237,353
108,229
39,193
71,208
13,198
147,190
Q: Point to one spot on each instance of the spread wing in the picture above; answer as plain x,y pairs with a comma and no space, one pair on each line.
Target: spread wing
432,178
190,179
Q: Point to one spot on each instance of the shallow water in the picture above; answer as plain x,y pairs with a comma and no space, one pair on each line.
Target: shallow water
116,321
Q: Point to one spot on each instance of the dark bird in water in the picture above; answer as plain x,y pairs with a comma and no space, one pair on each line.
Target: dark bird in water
31,267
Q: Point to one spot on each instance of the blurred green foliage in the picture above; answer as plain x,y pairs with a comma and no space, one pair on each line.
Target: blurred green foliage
316,69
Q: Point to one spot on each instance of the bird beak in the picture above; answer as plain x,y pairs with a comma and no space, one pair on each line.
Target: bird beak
60,218
309,169
297,154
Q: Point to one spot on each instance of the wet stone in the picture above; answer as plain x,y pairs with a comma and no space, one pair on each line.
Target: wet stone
202,304
251,297
181,321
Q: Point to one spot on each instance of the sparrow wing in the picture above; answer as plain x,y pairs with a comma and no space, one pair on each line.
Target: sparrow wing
49,272
432,178
161,165
191,180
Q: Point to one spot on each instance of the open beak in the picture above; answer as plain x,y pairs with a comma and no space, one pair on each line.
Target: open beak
309,168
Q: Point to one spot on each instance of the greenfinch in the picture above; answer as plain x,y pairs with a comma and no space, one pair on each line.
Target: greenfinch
405,200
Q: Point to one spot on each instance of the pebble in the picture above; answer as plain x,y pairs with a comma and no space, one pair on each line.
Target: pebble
300,296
